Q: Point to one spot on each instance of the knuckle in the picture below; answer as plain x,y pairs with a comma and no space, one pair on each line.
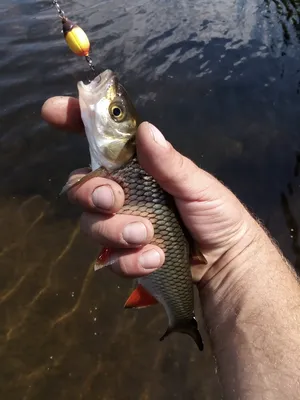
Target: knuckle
127,264
91,225
181,169
102,227
123,266
85,226
107,229
180,162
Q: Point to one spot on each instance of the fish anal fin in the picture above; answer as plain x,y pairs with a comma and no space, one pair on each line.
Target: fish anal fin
102,172
140,298
187,326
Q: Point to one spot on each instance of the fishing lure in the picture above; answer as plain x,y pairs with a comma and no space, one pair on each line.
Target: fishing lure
75,37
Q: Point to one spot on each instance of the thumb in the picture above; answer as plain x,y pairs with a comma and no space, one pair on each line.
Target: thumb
213,215
175,173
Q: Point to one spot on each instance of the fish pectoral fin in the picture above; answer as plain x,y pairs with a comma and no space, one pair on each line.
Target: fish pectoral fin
197,258
102,172
105,258
140,298
187,326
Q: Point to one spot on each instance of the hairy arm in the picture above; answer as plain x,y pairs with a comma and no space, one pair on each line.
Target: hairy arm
252,312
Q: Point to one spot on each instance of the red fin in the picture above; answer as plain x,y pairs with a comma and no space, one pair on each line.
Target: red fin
105,258
104,255
140,298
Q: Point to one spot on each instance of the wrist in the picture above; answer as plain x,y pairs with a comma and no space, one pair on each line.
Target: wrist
249,264
245,278
227,270
251,310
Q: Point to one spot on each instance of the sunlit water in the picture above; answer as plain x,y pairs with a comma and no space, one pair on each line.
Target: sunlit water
221,79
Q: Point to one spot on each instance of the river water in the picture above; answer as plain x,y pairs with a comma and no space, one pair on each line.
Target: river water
221,80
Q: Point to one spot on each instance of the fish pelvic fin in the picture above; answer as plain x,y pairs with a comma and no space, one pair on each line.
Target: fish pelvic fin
140,298
105,258
187,326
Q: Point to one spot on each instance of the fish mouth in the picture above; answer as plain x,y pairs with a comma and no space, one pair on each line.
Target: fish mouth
97,84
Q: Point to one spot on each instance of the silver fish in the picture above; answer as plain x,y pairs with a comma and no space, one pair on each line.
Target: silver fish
111,122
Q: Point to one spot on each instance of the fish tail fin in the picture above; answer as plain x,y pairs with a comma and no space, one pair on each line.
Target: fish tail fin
187,326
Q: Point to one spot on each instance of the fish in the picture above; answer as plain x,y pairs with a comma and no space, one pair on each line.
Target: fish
111,121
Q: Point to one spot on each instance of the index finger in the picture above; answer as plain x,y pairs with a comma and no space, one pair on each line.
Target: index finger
63,112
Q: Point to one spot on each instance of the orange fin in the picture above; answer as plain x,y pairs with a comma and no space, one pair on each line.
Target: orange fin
105,258
140,298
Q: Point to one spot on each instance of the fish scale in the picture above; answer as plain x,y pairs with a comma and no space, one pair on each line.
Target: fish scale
171,284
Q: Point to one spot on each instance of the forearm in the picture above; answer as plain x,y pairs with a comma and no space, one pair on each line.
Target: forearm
253,318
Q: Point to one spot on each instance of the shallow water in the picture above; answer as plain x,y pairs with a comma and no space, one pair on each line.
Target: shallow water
222,82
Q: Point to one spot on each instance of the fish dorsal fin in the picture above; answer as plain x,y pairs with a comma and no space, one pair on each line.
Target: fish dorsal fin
140,298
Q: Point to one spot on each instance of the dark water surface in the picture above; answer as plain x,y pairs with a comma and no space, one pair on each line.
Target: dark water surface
221,79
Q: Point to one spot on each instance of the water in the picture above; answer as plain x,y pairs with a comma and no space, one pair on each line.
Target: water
221,79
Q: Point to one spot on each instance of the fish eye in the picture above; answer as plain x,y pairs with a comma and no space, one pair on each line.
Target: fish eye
117,112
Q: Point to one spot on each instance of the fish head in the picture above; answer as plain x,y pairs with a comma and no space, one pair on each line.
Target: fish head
110,121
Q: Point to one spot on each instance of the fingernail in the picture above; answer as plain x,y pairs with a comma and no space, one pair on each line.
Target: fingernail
150,259
103,197
135,233
158,137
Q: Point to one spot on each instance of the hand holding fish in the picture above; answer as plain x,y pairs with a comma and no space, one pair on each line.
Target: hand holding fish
249,293
217,221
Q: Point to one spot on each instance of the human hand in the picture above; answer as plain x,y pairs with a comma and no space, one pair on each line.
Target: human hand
249,293
216,219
